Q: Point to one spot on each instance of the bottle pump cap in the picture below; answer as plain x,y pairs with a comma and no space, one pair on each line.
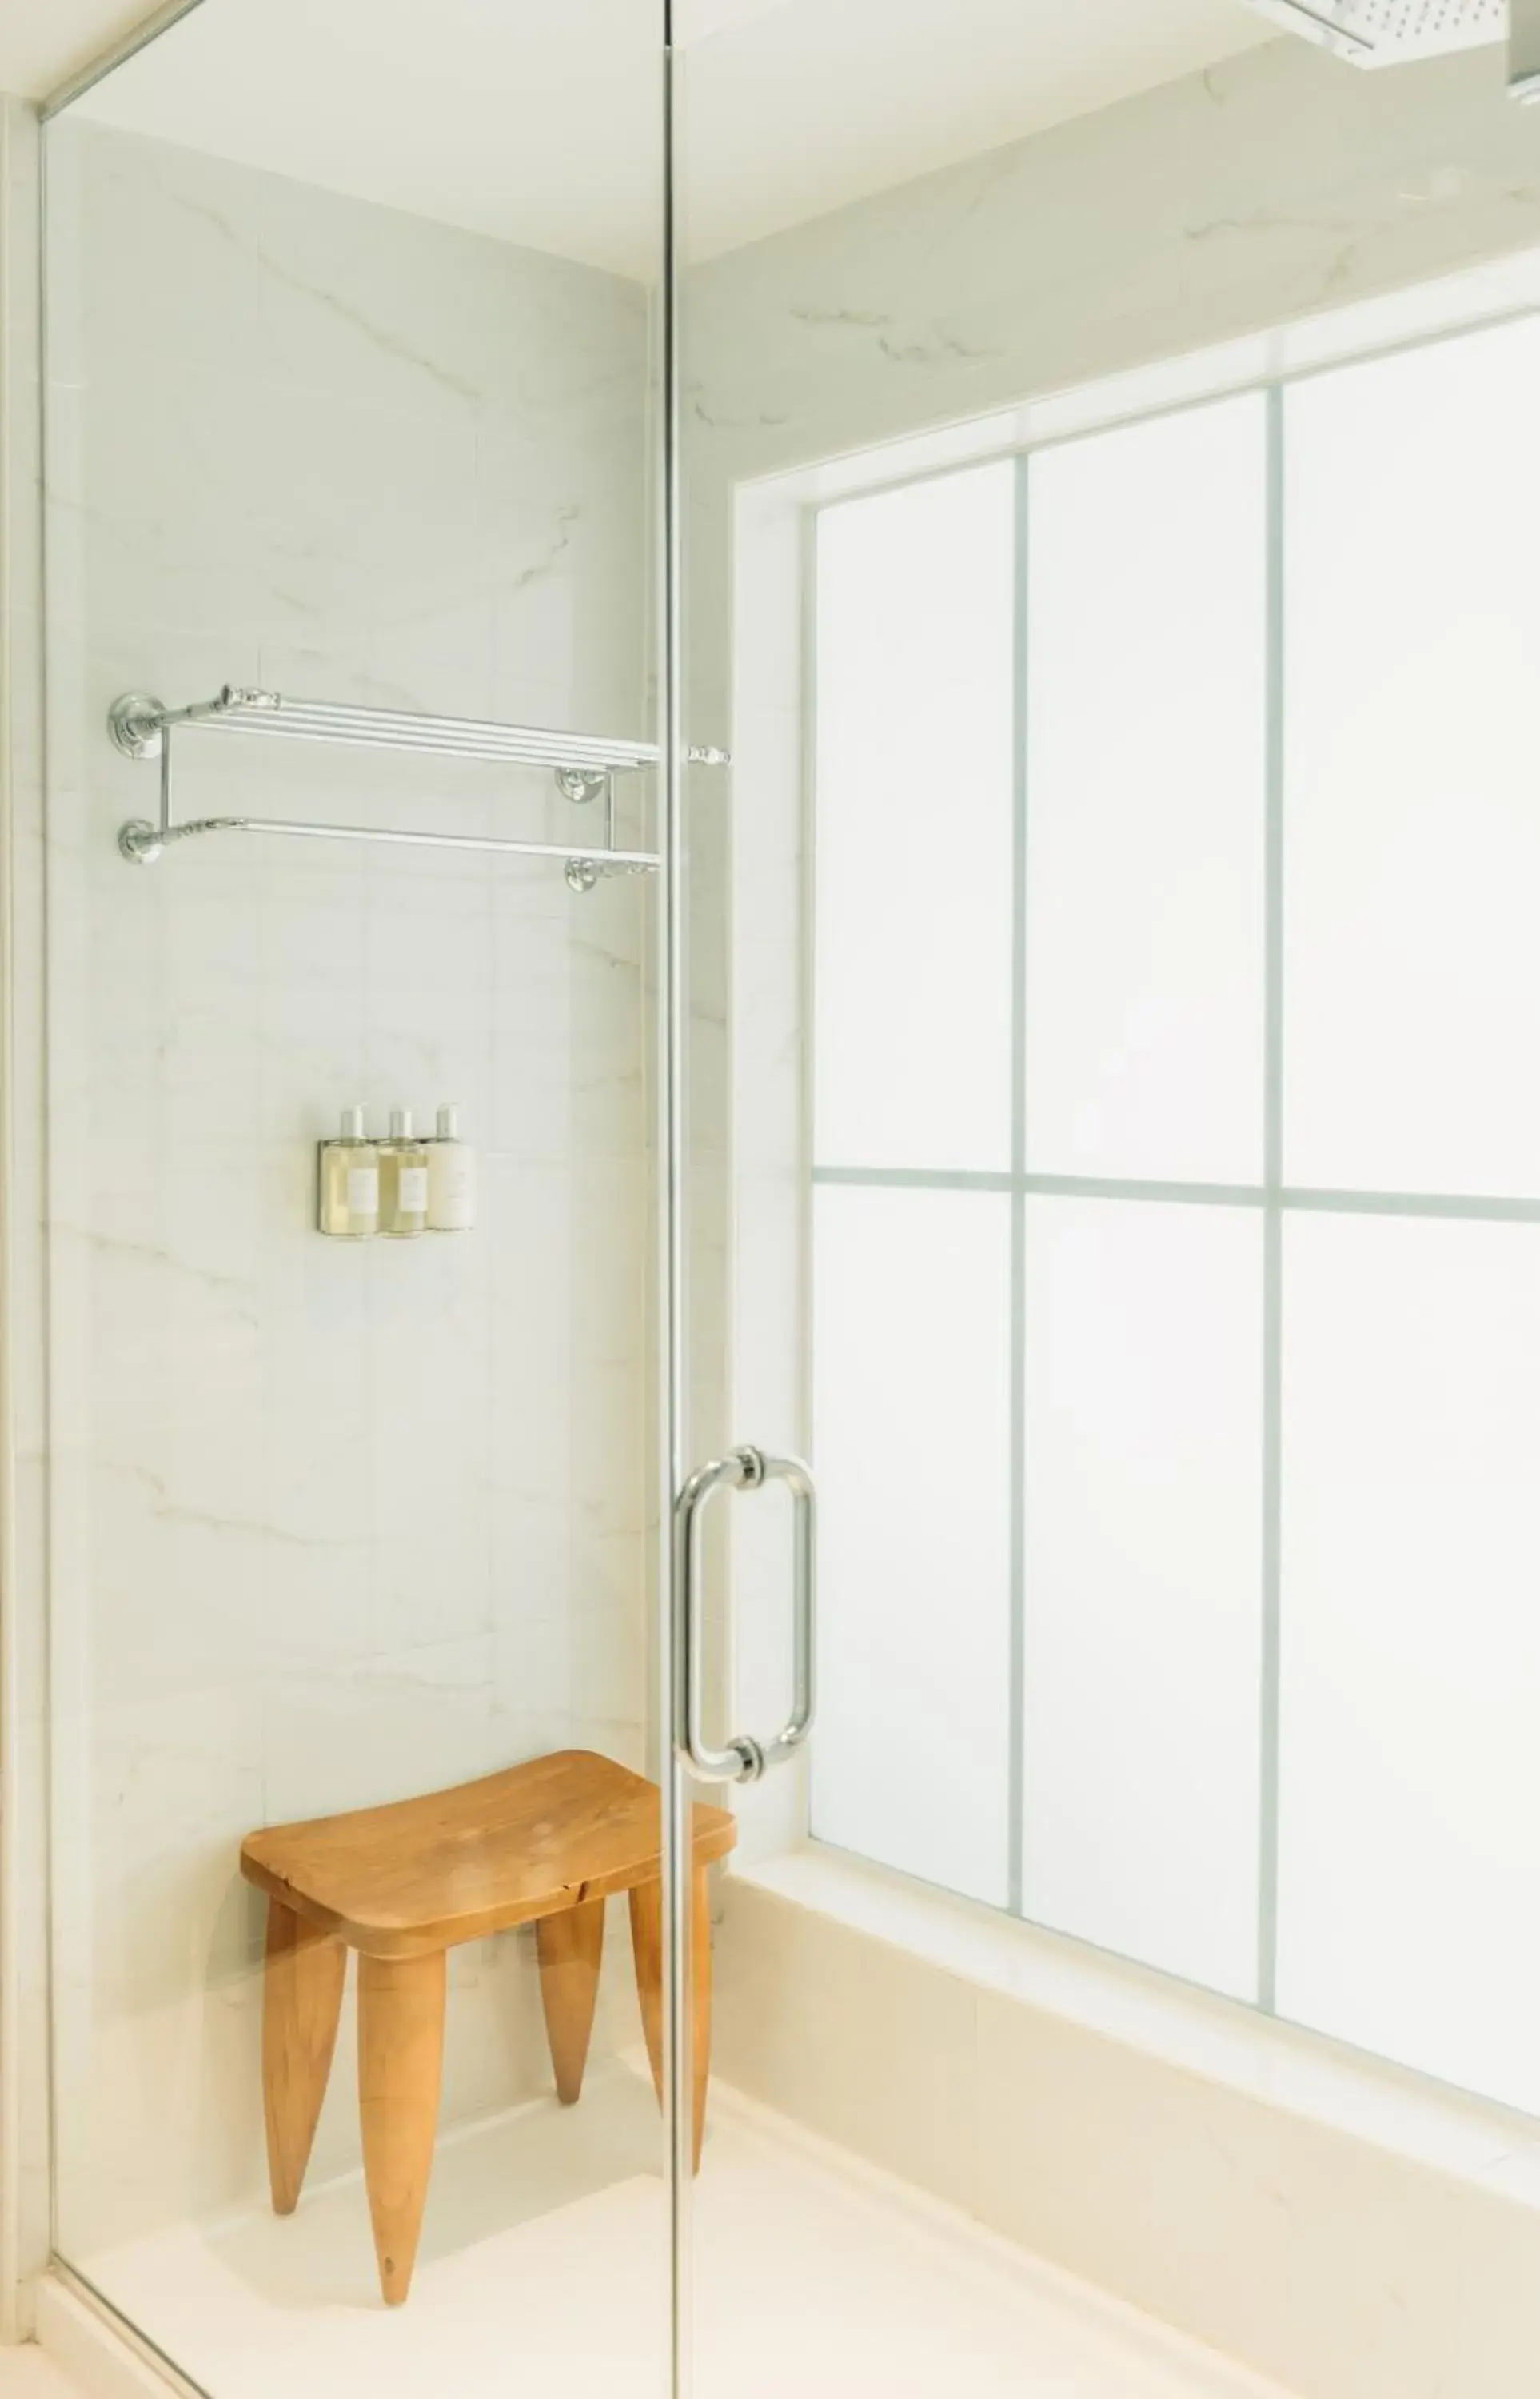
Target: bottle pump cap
353,1122
449,1121
401,1124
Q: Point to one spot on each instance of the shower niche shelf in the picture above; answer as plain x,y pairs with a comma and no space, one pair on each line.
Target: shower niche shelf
584,768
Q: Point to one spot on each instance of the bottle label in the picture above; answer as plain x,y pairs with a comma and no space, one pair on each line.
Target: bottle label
363,1191
412,1191
451,1187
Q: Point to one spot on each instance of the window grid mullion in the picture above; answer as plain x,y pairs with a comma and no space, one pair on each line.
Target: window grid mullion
1016,1763
1291,1199
1272,1269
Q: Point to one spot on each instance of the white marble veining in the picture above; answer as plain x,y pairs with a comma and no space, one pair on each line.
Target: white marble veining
331,1525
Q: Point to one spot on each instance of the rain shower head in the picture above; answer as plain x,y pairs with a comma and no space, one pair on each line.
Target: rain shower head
1388,32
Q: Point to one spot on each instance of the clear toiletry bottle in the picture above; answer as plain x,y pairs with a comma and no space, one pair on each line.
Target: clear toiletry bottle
451,1176
403,1179
349,1207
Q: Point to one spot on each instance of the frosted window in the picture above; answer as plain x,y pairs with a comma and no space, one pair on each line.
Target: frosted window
914,826
1400,1370
1145,787
1412,829
1144,1580
1410,1904
912,1415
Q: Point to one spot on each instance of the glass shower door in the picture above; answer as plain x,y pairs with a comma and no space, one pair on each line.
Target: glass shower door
352,436
1108,557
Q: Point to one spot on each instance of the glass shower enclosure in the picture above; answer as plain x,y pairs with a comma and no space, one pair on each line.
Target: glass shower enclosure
891,646
360,635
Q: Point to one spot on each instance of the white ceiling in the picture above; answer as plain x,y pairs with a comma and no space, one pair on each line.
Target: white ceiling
538,122
44,40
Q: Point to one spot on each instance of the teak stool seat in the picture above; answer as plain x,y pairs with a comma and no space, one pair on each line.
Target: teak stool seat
545,1843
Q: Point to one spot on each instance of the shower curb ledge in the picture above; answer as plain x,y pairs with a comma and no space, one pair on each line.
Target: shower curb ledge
96,2350
1285,2065
1333,2226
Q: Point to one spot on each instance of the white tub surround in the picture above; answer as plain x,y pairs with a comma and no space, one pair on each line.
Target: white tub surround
1344,2228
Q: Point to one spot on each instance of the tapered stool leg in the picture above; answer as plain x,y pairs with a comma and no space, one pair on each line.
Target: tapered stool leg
301,1998
647,1947
400,2068
570,1947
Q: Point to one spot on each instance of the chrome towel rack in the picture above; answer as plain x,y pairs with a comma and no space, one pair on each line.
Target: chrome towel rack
584,768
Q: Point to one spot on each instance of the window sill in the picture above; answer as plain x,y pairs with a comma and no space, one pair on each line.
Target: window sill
1475,2140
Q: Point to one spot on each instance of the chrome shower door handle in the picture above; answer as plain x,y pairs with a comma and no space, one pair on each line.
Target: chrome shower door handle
744,1759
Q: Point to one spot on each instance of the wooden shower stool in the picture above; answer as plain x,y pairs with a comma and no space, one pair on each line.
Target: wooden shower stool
545,1843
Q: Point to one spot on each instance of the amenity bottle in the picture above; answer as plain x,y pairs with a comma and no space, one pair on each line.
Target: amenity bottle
451,1176
350,1181
403,1180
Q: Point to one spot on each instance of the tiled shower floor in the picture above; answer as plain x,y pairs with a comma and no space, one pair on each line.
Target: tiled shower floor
542,2270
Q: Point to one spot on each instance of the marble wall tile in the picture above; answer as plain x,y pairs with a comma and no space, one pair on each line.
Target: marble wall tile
335,1523
183,288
